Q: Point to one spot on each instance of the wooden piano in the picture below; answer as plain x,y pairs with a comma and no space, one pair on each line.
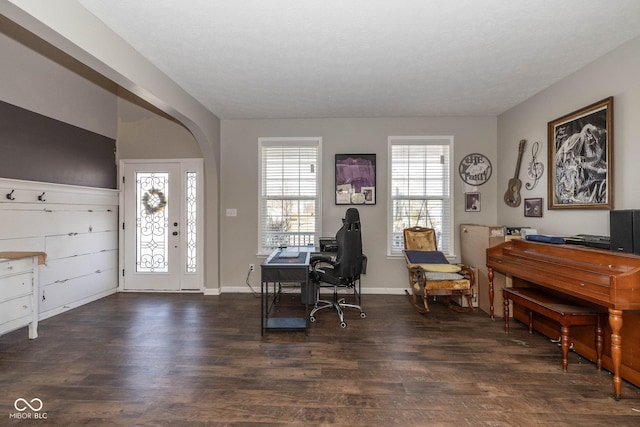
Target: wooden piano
592,277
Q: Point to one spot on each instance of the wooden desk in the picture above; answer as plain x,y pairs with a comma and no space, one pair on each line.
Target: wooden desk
276,270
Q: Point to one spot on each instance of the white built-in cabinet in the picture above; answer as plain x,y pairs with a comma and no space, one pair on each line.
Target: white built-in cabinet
77,228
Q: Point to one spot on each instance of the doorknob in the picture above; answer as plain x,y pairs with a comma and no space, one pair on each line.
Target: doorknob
175,224
175,233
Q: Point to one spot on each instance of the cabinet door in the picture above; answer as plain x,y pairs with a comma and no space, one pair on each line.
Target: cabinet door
475,239
15,286
15,266
15,313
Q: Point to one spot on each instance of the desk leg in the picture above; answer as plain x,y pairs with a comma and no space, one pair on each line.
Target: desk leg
262,308
491,293
615,321
306,305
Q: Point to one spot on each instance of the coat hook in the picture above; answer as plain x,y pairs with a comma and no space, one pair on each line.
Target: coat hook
41,197
10,195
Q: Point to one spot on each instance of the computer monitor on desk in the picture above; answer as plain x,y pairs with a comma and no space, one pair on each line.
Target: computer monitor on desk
328,244
288,253
287,256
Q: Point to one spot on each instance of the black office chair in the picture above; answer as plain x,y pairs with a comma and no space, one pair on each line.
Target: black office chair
344,271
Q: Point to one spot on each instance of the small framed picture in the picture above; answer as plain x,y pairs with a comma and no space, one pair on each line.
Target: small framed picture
369,195
472,202
533,207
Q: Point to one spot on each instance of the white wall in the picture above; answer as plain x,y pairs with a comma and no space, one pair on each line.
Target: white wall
145,134
239,185
81,35
34,79
76,226
615,74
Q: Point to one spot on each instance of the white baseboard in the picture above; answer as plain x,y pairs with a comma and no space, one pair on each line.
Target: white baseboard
58,310
245,290
212,291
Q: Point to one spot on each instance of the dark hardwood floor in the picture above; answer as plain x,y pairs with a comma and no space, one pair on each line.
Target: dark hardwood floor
193,360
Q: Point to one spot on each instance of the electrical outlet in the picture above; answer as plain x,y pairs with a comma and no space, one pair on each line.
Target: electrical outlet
252,267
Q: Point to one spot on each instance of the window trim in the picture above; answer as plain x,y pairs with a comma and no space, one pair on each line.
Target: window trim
306,141
419,140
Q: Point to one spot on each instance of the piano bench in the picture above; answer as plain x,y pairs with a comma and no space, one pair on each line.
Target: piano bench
553,307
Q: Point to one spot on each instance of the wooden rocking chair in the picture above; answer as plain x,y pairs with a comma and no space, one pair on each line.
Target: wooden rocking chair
430,274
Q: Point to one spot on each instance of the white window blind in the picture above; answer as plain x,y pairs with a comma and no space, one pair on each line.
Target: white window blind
420,186
289,192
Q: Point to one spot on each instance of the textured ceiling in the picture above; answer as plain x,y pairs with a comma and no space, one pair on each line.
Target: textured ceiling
368,58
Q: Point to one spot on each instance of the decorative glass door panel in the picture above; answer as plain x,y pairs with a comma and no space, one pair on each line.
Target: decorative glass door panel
161,226
152,222
192,217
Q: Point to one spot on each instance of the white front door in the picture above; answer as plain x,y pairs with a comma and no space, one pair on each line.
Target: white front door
161,229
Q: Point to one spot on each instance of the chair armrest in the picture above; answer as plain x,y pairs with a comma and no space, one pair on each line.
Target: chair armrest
317,259
417,277
467,272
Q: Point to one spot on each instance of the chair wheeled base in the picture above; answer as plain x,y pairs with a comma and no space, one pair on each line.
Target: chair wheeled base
338,304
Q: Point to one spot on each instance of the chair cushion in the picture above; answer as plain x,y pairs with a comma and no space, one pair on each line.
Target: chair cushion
448,284
425,257
457,284
430,281
439,268
442,276
429,261
436,272
420,241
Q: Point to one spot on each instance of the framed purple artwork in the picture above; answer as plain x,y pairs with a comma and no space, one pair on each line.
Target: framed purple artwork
355,179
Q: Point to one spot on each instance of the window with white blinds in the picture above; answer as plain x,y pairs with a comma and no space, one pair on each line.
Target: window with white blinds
290,192
420,187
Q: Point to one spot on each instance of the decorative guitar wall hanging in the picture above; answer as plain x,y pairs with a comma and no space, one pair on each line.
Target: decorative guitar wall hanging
535,168
512,195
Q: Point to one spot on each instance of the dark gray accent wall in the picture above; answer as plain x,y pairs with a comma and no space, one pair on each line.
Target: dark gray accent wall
38,148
